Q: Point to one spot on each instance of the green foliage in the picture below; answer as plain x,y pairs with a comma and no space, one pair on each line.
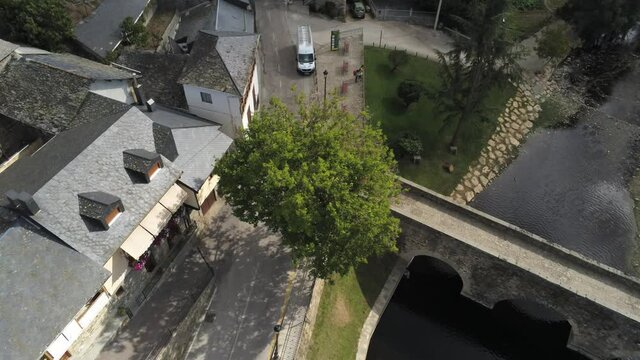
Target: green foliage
398,58
40,23
410,144
527,4
601,22
410,91
112,56
321,178
554,43
134,33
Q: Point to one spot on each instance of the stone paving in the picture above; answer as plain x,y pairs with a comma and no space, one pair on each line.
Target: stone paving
514,124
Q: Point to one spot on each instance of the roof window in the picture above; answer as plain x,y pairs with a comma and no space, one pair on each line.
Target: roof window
145,164
100,208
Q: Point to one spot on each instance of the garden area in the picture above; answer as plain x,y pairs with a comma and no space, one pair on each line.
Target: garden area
424,120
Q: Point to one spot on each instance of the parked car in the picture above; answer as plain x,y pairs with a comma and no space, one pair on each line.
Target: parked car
357,10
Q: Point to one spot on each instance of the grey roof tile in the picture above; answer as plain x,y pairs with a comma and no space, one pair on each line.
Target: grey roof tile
199,144
206,68
100,32
160,74
238,51
100,167
44,284
201,17
80,66
50,99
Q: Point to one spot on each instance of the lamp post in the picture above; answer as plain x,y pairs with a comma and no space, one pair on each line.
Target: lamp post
277,329
435,25
325,73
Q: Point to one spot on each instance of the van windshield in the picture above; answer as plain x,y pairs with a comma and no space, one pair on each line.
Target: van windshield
305,58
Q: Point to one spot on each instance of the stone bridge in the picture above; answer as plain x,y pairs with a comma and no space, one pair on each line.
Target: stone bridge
498,261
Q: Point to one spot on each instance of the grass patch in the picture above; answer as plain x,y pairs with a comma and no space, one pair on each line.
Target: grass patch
524,24
423,120
344,307
634,189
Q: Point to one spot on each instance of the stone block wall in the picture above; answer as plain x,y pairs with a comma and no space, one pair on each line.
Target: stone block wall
181,339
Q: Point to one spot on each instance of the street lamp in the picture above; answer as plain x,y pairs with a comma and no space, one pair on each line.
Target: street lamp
325,73
277,329
435,25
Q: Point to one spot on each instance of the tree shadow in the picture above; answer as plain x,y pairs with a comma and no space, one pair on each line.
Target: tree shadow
394,106
373,275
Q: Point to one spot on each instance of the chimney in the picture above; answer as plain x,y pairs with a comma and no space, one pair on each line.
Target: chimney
23,202
150,104
137,90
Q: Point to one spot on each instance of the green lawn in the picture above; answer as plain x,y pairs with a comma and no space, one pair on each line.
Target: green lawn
423,120
344,307
524,24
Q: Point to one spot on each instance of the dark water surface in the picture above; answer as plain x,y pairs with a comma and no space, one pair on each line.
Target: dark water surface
568,186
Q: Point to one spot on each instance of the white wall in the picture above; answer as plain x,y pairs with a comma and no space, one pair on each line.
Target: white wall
224,109
249,104
118,90
207,188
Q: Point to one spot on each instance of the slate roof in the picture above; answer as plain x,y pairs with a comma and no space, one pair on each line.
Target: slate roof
50,92
199,143
159,75
100,32
42,166
6,49
100,167
221,61
44,284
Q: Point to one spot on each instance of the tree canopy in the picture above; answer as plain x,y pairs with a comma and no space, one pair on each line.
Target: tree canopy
40,23
410,91
599,22
554,43
134,33
321,177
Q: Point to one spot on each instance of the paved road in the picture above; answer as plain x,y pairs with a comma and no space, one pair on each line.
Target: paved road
252,272
278,31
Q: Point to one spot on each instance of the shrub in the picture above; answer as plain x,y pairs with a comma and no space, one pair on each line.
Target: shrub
134,33
410,91
410,144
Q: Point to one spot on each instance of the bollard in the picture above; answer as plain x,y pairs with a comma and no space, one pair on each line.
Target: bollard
344,89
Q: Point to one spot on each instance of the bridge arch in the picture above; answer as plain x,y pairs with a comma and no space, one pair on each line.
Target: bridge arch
543,321
442,263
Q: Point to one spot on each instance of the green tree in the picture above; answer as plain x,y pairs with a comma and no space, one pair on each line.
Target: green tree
601,22
398,58
554,43
475,63
134,33
410,91
40,23
320,177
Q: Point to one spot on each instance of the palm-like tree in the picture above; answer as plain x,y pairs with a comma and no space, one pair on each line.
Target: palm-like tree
475,62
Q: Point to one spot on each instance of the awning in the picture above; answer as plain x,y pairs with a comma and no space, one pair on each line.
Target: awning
117,266
174,198
157,218
137,243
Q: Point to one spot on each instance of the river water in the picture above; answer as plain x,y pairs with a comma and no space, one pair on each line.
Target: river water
569,186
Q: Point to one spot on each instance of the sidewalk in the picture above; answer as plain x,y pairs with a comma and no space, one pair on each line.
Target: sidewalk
150,329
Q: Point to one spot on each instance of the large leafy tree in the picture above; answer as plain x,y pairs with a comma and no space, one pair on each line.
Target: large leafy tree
601,22
321,177
476,62
40,23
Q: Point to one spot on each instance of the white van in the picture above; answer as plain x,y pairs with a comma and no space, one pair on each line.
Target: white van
305,54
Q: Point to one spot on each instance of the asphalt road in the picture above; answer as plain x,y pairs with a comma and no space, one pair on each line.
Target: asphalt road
278,31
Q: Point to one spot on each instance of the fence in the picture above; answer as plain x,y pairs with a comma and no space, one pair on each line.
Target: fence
425,18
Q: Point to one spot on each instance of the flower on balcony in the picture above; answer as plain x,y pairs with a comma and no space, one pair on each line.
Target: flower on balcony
139,264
